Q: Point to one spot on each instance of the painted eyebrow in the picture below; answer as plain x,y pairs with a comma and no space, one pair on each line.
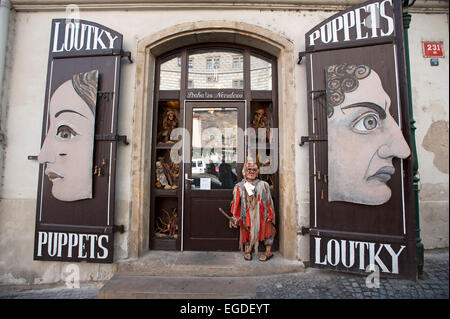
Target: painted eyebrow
68,111
369,105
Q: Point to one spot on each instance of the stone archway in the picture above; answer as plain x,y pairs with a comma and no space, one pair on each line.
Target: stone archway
199,33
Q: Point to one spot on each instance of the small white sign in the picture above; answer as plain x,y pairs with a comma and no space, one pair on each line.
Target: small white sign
205,183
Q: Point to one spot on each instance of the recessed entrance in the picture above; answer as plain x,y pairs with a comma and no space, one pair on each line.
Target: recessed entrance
213,103
174,40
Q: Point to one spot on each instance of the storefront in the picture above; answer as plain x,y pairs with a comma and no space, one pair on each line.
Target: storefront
227,83
184,93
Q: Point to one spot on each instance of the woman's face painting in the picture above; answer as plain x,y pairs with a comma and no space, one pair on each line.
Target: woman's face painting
68,147
363,138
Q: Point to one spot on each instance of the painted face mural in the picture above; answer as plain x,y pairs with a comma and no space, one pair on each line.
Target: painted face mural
68,147
363,137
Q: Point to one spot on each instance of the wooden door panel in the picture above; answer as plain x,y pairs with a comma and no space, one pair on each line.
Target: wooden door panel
353,232
204,228
208,226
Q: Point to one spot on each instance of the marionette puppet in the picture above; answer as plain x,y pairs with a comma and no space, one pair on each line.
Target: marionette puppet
170,122
253,211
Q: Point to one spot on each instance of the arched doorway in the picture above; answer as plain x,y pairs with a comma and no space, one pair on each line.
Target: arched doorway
230,35
224,97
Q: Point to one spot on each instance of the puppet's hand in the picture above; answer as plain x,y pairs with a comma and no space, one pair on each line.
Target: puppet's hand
234,222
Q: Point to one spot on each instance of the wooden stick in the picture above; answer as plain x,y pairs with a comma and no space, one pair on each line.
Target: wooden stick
224,214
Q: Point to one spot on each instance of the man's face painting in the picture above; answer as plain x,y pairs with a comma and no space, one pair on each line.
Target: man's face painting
68,147
363,138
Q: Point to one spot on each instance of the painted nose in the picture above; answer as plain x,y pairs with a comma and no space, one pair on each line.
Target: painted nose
46,155
396,145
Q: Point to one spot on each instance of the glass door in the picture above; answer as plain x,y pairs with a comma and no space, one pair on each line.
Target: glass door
215,147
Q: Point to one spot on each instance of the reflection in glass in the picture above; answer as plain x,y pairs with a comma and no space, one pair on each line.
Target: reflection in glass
260,74
215,70
214,148
170,74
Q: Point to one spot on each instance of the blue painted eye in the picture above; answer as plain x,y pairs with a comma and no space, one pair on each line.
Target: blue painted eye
65,132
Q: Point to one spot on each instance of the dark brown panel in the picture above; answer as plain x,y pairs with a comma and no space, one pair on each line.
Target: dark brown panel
379,231
83,229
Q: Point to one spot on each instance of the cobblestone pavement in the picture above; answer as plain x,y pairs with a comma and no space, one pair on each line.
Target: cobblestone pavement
84,292
310,284
320,284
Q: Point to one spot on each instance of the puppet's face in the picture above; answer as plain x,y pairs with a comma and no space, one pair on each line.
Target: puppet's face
251,172
68,146
363,138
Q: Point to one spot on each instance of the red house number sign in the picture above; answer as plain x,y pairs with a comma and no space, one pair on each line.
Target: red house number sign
433,50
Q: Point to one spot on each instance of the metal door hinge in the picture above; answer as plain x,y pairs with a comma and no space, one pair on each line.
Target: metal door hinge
303,231
118,228
317,93
123,54
312,138
126,54
302,54
112,138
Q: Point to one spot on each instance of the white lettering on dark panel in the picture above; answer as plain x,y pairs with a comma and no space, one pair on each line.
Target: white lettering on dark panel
364,21
80,36
344,252
72,245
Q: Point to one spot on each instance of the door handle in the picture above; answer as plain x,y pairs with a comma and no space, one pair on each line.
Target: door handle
188,179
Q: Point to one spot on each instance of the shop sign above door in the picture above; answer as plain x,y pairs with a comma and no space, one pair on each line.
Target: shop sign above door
215,95
362,211
75,200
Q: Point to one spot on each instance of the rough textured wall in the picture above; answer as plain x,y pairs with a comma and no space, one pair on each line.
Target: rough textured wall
431,111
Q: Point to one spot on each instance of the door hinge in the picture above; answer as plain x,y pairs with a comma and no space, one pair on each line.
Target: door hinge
126,54
303,231
112,138
312,138
118,228
315,94
303,54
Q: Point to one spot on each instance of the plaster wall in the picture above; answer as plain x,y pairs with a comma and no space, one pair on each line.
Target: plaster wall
430,92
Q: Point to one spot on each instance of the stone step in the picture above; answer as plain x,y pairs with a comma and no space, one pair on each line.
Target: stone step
161,287
201,264
195,275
